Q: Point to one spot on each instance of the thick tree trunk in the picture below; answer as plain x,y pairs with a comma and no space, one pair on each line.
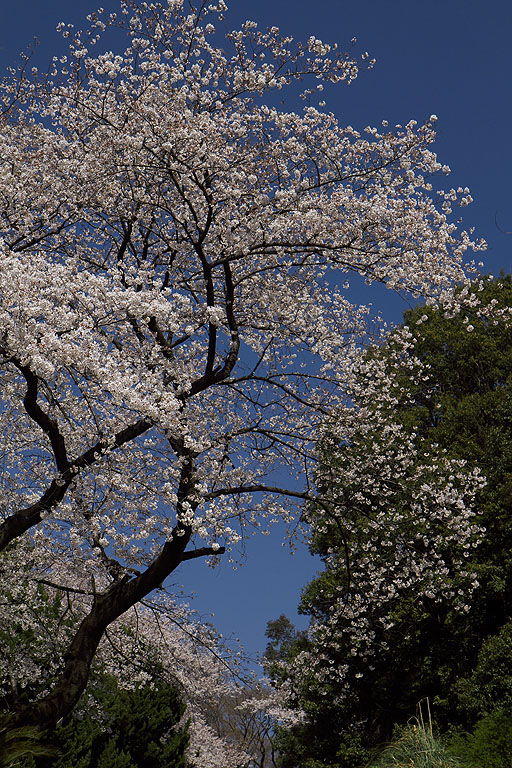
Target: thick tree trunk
108,606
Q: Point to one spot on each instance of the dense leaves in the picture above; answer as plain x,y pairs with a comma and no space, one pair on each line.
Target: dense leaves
453,649
112,728
125,729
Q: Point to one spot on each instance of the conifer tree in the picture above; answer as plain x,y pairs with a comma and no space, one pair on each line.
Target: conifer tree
136,728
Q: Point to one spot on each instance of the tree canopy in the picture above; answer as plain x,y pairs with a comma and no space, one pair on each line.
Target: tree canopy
176,323
451,648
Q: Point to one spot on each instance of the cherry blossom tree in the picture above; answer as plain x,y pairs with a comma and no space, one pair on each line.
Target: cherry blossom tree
229,712
176,321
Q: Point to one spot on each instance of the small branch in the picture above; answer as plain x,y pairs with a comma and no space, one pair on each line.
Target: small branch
203,552
19,522
62,588
504,231
42,419
260,488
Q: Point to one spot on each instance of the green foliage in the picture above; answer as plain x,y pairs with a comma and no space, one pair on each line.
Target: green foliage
460,660
125,729
117,728
490,743
20,744
486,694
489,686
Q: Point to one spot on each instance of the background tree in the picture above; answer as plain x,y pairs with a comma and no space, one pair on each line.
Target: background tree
154,686
460,407
175,324
121,728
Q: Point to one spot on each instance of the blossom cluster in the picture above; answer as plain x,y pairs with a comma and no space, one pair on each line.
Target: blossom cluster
397,518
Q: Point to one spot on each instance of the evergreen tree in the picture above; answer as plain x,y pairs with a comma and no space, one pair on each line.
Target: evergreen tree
118,728
428,648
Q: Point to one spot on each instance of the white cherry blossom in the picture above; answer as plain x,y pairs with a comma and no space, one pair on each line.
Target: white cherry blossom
176,323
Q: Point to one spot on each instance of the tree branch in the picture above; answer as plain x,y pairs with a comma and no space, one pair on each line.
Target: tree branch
20,522
36,413
202,552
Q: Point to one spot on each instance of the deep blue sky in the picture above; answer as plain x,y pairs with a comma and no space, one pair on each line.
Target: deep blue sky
451,58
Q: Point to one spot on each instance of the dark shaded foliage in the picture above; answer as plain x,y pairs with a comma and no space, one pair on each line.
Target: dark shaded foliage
432,650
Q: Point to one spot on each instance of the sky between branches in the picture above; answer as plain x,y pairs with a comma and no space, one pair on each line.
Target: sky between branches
451,58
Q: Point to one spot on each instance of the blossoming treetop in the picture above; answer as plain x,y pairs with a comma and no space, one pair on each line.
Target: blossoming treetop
175,324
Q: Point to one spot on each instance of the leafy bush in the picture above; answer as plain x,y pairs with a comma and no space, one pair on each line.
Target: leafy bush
490,743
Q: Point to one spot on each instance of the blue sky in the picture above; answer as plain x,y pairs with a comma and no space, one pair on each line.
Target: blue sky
452,58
